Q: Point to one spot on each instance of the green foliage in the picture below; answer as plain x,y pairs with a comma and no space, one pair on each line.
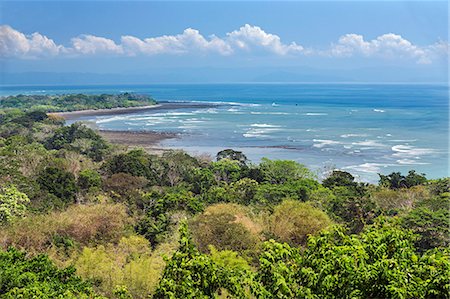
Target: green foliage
439,186
226,170
228,259
232,155
201,179
128,269
89,179
12,204
380,263
272,194
156,222
433,227
226,227
396,180
38,277
71,102
281,171
58,182
190,274
339,178
81,139
178,167
354,211
292,222
139,164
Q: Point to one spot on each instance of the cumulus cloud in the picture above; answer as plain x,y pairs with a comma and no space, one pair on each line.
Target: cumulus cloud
90,44
388,45
16,44
247,39
189,41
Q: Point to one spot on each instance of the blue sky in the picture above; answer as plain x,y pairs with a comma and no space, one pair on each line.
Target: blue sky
111,36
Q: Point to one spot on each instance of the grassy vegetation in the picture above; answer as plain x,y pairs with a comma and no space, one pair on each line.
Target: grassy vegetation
81,218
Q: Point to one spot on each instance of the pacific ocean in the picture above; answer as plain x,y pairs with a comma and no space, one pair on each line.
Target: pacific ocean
361,128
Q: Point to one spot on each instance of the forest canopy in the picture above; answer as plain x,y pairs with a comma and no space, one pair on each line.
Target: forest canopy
72,102
83,218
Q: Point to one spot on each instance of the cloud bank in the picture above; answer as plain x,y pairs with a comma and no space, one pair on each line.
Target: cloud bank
247,39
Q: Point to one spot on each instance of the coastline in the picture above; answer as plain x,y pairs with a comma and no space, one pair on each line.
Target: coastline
148,140
72,115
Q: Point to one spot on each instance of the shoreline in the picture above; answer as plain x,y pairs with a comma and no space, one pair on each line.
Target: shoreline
73,115
148,140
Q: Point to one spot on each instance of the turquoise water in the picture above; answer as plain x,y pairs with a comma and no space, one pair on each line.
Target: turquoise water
362,128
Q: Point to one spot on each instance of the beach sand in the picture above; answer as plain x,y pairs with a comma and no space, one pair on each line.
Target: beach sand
73,115
148,140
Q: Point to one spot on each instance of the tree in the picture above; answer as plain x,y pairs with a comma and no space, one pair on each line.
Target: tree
353,210
178,166
89,179
231,154
12,204
226,170
379,263
190,274
396,180
59,183
79,138
415,179
38,277
226,227
339,178
282,171
293,221
431,226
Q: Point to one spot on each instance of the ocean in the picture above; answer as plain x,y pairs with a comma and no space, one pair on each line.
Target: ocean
365,129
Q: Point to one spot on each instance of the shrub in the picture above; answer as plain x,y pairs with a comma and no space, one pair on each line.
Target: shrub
38,277
59,183
292,222
83,224
226,227
12,204
89,179
281,171
130,264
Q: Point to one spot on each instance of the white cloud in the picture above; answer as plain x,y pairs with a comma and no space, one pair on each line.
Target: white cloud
388,45
189,41
247,39
90,44
16,44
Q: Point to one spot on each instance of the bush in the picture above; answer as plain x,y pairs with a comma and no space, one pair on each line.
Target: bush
58,182
89,179
292,222
226,227
282,171
130,263
38,277
84,224
431,226
12,204
81,139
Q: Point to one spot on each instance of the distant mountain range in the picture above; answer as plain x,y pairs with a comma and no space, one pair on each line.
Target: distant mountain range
228,75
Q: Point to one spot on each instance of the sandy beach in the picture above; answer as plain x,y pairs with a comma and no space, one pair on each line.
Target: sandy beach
149,140
73,115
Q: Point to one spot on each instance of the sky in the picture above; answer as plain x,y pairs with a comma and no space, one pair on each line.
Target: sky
233,40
